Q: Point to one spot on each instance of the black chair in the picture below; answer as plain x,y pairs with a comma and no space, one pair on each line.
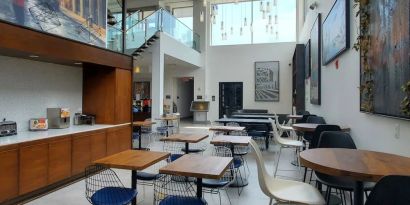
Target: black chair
304,118
337,139
390,190
103,187
316,120
305,112
315,139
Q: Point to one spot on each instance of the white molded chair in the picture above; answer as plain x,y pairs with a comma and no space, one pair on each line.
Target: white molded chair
284,191
285,143
284,128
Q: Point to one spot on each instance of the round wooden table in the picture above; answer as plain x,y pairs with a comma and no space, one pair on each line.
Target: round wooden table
359,165
311,127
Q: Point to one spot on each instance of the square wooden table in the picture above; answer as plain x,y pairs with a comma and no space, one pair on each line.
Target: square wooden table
233,141
167,119
226,129
186,138
139,125
132,160
191,165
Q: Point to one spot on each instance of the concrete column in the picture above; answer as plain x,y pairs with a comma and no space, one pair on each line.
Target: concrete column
200,28
157,85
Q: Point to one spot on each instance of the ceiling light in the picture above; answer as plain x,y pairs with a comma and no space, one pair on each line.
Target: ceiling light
204,3
137,69
33,56
201,17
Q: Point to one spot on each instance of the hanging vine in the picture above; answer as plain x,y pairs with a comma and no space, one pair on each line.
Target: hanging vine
362,44
405,103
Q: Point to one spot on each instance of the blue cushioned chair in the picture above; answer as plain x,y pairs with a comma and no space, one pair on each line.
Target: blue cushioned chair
172,192
103,187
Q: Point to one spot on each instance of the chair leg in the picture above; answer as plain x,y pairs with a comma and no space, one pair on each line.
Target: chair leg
229,198
304,175
299,167
328,193
277,163
270,201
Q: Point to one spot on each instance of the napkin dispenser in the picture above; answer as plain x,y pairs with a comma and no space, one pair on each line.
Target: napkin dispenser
8,128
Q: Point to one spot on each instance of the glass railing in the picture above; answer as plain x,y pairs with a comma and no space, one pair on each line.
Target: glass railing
161,20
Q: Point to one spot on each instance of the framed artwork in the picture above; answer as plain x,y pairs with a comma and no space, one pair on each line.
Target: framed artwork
307,60
336,31
267,81
386,90
315,62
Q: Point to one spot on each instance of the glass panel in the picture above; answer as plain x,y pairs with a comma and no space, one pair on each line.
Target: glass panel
185,15
179,31
114,38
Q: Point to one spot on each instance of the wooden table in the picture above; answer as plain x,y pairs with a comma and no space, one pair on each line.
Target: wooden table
244,120
191,165
133,160
226,129
359,165
311,127
295,117
167,119
139,125
186,138
254,116
233,141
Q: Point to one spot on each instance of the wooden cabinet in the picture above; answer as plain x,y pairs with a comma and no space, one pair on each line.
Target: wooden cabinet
9,166
59,167
33,169
118,139
123,93
81,153
98,145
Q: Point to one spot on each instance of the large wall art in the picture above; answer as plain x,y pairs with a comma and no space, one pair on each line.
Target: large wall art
307,60
336,31
267,81
80,20
315,43
385,60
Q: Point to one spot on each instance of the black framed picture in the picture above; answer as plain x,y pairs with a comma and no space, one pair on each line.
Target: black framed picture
315,36
336,31
307,60
267,81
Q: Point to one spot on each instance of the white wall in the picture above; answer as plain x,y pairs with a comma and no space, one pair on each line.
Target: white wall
341,95
236,64
28,88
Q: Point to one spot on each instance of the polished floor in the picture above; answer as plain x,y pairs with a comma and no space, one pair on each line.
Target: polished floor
252,194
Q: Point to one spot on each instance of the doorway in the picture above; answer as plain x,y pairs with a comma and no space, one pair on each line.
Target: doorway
184,96
230,98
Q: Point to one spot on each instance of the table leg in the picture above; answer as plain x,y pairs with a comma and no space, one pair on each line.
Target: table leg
140,138
267,142
358,193
186,148
199,187
134,184
239,180
167,128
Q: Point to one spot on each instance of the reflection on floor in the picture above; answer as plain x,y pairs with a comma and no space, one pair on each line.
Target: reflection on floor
252,194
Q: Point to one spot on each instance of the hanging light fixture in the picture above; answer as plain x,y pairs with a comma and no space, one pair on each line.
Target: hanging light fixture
231,30
214,19
201,17
277,35
241,31
261,8
251,27
204,3
268,7
276,18
267,28
263,15
275,3
216,10
222,25
111,19
271,29
270,20
245,22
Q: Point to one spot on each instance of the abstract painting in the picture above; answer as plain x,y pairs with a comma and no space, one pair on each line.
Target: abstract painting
307,60
267,81
336,31
315,62
388,57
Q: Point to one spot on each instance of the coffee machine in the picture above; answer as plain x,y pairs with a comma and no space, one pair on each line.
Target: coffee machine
58,118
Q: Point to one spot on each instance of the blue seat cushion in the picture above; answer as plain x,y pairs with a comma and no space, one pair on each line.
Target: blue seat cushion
214,183
113,196
174,200
147,176
192,150
174,157
237,162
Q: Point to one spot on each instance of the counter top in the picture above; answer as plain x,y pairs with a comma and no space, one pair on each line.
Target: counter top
26,136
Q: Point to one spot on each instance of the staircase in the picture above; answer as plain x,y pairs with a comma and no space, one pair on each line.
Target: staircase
145,32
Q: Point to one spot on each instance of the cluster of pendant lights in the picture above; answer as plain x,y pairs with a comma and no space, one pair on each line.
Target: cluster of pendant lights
268,9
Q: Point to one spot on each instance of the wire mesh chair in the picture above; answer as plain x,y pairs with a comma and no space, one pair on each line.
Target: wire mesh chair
168,191
214,186
240,151
103,187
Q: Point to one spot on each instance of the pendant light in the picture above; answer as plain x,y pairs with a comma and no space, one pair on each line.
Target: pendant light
241,31
245,22
268,7
222,25
231,30
201,17
214,20
204,2
271,29
267,28
276,18
263,15
277,35
261,7
270,20
275,3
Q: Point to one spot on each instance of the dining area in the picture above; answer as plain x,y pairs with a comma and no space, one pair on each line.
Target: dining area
308,162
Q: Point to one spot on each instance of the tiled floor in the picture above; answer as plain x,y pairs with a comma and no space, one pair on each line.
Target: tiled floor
252,194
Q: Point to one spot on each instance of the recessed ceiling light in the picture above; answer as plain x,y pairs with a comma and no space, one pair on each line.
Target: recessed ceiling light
33,56
78,63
